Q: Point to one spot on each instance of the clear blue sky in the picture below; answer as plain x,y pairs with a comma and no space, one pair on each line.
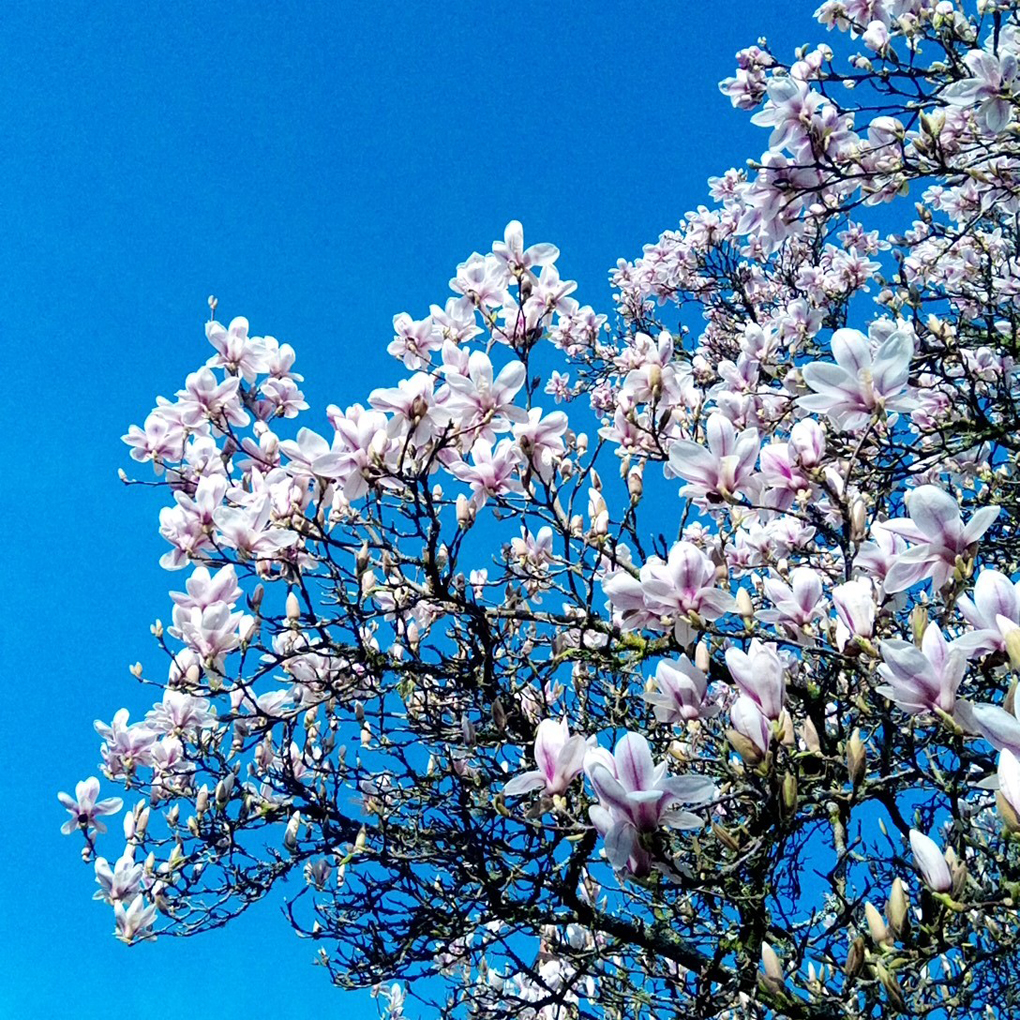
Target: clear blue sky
319,169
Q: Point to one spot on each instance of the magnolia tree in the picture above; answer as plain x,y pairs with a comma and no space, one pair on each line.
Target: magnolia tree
603,667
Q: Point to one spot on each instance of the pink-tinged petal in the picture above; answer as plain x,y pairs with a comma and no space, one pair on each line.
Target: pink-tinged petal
68,801
903,575
620,842
892,362
721,435
608,788
827,380
1000,728
935,512
549,740
851,350
690,789
930,862
524,783
634,762
979,523
693,462
994,595
570,760
806,586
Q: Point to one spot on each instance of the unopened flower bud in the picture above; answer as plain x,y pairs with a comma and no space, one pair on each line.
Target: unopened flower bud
876,925
898,909
858,519
856,758
465,512
290,835
918,623
854,958
293,608
789,795
772,967
745,747
702,657
745,607
202,799
635,485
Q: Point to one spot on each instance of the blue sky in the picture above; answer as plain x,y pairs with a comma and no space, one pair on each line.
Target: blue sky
319,169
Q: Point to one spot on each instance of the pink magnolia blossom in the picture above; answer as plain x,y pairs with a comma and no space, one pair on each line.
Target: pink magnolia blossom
761,675
681,692
720,471
679,589
236,351
637,797
989,88
492,472
854,603
922,679
931,862
993,612
134,920
84,809
860,384
481,400
797,604
938,536
119,883
559,756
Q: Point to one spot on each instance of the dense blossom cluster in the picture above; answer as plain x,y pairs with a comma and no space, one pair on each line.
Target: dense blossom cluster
743,592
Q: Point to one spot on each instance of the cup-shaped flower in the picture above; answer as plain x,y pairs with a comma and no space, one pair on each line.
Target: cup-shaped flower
747,718
682,692
930,861
922,679
761,675
559,757
637,797
84,809
854,602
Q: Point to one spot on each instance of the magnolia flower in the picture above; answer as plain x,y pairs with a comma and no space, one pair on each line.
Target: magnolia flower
559,757
718,472
940,537
747,718
84,809
989,88
861,384
135,920
637,797
681,692
798,604
994,611
683,586
930,861
922,679
118,883
761,675
854,602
